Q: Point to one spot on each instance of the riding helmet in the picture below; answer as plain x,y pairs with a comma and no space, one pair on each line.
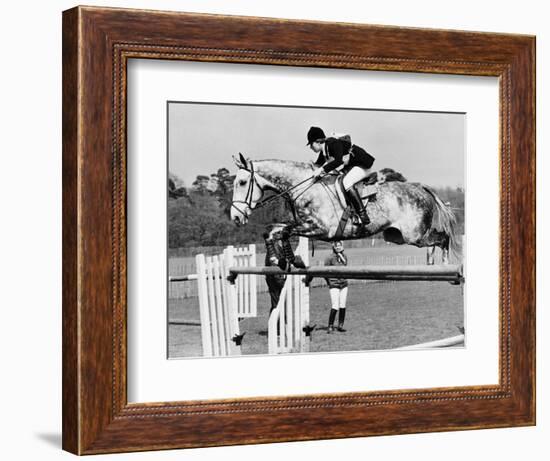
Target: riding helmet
315,134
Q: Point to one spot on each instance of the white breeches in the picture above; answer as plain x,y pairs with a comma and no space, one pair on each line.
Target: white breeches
354,175
338,297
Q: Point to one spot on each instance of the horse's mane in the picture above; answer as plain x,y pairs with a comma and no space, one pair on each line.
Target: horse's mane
295,163
389,173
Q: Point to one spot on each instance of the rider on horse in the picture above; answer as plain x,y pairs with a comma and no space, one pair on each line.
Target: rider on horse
336,151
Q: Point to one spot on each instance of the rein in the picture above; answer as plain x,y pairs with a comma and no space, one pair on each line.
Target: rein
250,192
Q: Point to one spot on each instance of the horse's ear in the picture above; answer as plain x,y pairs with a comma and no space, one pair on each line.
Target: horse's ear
243,160
237,162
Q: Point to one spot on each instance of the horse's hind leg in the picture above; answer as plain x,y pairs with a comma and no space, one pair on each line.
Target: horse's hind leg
441,240
417,237
445,254
430,255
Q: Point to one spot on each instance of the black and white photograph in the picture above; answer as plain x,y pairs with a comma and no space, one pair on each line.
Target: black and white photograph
298,229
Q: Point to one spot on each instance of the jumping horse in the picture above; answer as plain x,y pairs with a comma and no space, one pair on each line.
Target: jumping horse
405,212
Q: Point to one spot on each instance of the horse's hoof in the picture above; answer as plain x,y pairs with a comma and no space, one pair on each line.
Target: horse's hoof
284,265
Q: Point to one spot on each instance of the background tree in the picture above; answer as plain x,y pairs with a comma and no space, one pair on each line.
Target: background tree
176,188
222,182
201,184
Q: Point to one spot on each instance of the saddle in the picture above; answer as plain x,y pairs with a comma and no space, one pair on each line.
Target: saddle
365,191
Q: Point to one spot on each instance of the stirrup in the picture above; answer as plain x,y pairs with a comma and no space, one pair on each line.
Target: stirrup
365,221
358,221
362,216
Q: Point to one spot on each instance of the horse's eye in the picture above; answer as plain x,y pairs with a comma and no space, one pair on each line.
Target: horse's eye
242,182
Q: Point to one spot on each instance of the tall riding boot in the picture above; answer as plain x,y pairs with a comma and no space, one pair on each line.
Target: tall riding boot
341,318
357,202
331,318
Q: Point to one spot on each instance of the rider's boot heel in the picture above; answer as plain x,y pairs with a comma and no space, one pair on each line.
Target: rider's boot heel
357,202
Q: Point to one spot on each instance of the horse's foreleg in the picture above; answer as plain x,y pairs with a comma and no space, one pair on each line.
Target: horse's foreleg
271,253
282,232
295,260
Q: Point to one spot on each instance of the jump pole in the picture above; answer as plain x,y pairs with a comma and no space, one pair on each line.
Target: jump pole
442,273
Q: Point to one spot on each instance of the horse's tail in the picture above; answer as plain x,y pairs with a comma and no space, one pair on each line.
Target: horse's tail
444,220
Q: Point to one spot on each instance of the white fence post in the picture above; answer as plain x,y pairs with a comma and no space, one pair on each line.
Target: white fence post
303,306
217,304
253,280
230,304
292,312
206,323
247,303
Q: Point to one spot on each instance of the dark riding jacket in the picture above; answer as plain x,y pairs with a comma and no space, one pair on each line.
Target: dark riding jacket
336,259
332,156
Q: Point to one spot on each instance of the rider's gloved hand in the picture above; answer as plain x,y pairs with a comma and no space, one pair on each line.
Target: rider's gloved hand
318,173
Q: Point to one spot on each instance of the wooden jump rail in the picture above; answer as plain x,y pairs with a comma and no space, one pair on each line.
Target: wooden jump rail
443,273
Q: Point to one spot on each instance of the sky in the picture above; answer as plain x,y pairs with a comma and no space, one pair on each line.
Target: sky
427,147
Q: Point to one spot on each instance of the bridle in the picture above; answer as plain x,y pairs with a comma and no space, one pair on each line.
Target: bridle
250,192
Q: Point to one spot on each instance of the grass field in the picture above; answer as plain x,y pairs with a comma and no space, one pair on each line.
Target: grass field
380,315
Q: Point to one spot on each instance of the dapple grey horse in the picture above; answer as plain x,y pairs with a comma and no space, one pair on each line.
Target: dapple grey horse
405,212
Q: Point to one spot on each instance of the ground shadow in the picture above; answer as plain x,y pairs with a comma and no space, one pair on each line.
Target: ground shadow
51,438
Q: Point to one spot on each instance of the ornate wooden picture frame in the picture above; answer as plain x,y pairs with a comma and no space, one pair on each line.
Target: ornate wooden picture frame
97,44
